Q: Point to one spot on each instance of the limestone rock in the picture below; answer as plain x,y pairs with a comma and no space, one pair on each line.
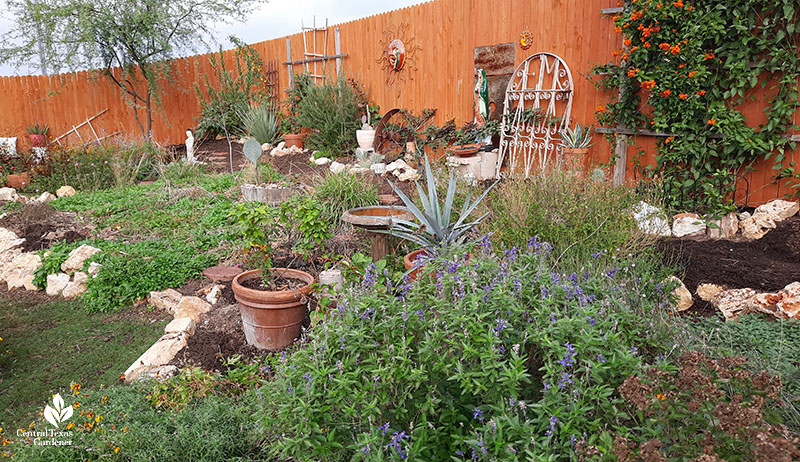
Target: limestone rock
766,303
734,302
789,306
409,175
76,258
778,209
688,224
651,219
27,282
192,307
322,161
166,300
65,191
357,169
45,197
162,373
56,283
77,286
706,291
15,280
379,168
744,216
266,147
8,240
337,167
724,228
8,194
94,268
27,262
159,354
757,226
681,293
179,325
399,164
213,294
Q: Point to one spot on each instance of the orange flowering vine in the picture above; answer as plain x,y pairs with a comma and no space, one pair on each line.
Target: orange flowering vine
678,4
709,56
712,121
675,49
666,93
682,95
648,84
600,109
633,72
701,93
692,73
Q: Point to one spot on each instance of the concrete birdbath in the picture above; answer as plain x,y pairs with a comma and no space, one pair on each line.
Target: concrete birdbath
375,218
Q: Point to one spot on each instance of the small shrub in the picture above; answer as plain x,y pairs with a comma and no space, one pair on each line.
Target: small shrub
308,231
179,172
333,111
578,217
131,160
84,168
340,192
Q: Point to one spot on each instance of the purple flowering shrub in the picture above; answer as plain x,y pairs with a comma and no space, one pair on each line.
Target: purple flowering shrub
487,357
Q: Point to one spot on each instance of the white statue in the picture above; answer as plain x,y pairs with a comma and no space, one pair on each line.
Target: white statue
189,147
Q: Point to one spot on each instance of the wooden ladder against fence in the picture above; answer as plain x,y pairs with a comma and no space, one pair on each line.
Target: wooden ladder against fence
95,138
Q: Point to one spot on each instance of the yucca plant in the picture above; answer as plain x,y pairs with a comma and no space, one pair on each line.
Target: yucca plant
261,122
577,138
435,230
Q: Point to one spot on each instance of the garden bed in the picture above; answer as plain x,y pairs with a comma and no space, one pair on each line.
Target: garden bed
42,226
768,264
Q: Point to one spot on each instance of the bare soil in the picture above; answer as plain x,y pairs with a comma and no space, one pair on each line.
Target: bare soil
42,226
767,264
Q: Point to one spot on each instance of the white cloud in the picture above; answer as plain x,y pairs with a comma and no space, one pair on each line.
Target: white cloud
277,18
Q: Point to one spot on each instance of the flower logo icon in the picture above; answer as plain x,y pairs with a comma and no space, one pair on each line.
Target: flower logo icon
57,413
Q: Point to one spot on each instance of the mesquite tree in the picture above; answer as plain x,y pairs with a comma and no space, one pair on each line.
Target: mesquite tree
127,41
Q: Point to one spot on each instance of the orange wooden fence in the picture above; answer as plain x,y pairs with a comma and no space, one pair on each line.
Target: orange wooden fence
447,32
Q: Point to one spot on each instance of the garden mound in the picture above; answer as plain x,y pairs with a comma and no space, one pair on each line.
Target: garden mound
767,264
42,226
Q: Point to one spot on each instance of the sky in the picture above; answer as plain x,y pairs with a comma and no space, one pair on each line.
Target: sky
273,19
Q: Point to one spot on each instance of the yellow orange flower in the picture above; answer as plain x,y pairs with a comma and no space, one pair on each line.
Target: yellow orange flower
661,397
116,449
666,93
600,109
712,121
683,95
701,92
691,74
648,84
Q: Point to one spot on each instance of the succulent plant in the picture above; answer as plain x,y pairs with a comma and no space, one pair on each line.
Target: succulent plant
577,138
436,230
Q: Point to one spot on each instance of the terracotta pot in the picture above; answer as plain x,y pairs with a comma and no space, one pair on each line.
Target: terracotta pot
19,180
294,139
409,260
272,320
38,140
465,150
575,160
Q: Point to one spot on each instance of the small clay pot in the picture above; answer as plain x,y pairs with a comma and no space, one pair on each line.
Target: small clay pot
294,139
409,260
19,180
38,140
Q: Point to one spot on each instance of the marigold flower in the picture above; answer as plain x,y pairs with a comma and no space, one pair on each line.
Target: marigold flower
683,96
661,397
116,449
666,93
712,121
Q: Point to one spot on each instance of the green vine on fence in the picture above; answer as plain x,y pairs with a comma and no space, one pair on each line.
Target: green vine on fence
686,69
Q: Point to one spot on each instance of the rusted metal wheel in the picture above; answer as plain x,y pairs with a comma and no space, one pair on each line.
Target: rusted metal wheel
395,129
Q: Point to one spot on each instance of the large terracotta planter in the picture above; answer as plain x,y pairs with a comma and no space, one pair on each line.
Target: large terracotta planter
19,180
294,139
272,320
38,140
575,161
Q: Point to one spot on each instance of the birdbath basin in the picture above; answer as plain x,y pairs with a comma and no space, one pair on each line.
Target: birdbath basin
377,218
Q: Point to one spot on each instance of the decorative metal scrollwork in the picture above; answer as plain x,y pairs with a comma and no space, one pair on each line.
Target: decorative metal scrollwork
537,106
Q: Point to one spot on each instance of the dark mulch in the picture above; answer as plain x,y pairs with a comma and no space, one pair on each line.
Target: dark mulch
768,264
206,149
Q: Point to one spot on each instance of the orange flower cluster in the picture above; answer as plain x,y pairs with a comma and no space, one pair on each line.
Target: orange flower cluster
678,4
712,121
600,109
633,72
709,56
664,46
675,49
648,31
691,74
666,93
637,15
683,95
648,84
701,93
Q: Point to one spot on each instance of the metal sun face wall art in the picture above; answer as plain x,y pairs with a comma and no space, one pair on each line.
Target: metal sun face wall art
398,55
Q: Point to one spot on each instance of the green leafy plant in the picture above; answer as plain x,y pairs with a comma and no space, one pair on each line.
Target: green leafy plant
258,224
576,138
302,85
340,192
231,92
84,168
333,111
693,65
36,129
261,122
308,230
437,231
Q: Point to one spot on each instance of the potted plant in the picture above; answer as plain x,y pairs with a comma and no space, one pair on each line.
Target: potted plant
272,301
15,170
576,143
466,142
293,133
436,230
38,135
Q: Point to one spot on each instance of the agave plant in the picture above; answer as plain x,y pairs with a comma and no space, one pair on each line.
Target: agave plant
261,122
436,229
577,138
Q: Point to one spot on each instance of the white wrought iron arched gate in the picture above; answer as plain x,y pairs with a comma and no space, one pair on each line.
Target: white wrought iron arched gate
537,105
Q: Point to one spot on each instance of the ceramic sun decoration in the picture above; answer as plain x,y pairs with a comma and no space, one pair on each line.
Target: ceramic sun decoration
525,39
